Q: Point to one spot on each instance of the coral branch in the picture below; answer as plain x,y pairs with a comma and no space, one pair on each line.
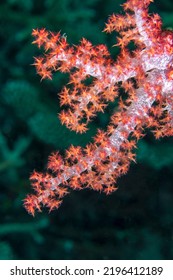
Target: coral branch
145,74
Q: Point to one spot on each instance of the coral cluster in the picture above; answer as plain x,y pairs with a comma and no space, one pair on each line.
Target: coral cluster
143,73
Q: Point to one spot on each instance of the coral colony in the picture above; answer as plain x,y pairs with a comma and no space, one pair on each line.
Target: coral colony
146,76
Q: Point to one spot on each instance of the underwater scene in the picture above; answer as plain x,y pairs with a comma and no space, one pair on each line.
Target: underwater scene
136,221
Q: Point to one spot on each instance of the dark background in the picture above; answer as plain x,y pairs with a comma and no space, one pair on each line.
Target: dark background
136,222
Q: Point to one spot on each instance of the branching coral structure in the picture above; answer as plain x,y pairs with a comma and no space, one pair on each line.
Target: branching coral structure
144,73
